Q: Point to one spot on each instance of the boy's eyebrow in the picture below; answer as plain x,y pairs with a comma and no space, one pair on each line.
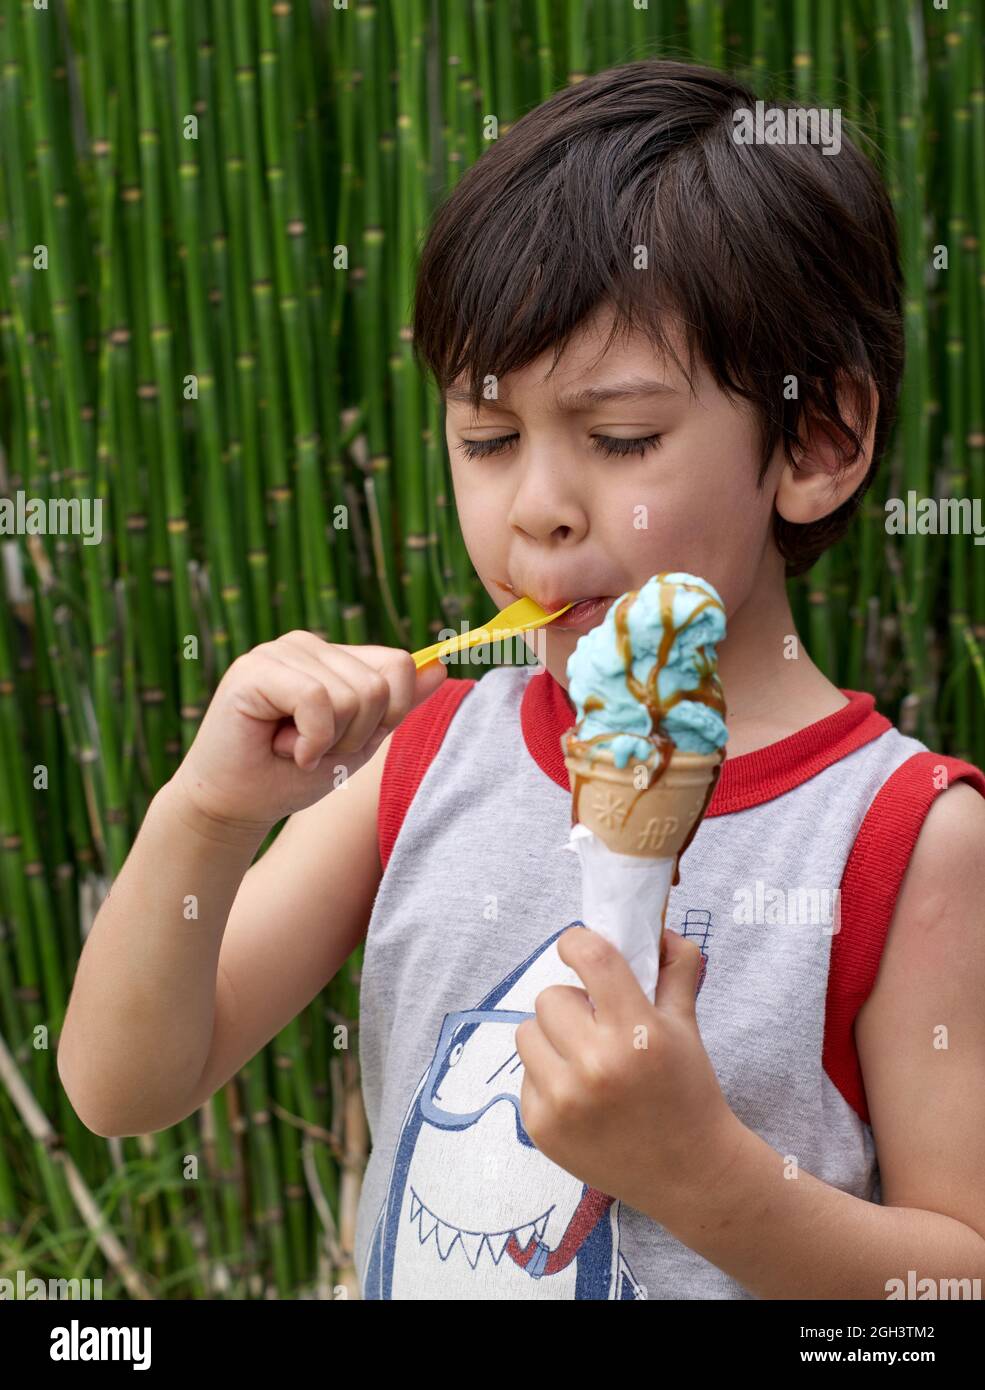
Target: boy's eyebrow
587,398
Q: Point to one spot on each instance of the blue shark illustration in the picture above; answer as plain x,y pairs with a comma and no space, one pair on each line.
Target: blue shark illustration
473,1210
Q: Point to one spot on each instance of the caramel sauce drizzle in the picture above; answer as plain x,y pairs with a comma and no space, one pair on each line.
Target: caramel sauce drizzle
707,692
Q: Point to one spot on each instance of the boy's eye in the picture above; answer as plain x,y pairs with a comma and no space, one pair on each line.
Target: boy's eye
603,443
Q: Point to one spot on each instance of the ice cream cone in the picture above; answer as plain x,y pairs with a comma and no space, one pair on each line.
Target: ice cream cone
655,654
641,813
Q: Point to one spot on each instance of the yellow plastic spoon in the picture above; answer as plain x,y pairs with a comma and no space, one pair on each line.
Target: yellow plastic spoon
522,616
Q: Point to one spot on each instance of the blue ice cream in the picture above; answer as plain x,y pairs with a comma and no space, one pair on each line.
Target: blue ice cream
648,673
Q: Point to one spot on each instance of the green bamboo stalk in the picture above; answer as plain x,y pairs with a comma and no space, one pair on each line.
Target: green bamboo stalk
233,328
763,28
405,379
319,204
36,935
345,110
977,659
118,391
368,298
136,406
469,141
826,17
105,653
276,66
28,353
545,50
18,390
908,174
849,58
41,48
484,59
820,608
974,279
959,72
860,673
268,1214
704,19
164,395
40,985
507,104
224,562
914,548
279,485
599,29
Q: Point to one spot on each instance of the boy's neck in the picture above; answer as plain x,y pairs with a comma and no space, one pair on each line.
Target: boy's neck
770,694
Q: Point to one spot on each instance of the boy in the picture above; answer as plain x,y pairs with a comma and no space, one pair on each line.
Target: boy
615,301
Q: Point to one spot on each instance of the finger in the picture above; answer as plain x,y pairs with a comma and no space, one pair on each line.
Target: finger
398,667
677,978
564,1015
535,1051
359,695
410,685
285,740
406,686
277,690
604,971
427,681
287,736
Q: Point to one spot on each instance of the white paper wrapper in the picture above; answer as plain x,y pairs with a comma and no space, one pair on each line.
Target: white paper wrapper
622,898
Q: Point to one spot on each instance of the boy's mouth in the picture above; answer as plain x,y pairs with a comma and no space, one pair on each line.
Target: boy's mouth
586,614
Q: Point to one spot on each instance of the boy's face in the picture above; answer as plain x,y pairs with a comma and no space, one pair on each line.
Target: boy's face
547,514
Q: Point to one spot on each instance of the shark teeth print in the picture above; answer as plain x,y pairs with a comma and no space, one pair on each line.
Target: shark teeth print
446,1237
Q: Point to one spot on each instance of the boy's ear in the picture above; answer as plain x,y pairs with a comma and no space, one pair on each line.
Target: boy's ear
826,475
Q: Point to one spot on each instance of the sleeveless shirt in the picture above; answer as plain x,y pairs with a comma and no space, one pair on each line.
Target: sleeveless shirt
788,887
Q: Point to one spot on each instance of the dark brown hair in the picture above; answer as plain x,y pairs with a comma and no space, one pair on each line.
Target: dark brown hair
777,260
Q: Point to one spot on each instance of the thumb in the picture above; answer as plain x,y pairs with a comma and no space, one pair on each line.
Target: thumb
429,677
677,980
284,739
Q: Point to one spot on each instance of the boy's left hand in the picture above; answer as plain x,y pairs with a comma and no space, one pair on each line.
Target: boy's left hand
624,1096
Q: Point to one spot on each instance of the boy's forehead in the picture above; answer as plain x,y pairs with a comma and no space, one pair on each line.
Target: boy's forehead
590,372
578,395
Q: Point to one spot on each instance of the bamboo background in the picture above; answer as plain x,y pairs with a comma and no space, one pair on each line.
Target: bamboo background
218,346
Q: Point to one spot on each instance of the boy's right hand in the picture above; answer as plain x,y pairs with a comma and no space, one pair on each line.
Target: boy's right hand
260,751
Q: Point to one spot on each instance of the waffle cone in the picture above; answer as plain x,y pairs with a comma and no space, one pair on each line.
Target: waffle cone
650,821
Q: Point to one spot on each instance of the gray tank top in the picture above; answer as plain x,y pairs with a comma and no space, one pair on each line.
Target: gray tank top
788,887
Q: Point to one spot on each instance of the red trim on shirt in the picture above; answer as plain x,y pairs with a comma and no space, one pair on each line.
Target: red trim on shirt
412,747
746,780
873,873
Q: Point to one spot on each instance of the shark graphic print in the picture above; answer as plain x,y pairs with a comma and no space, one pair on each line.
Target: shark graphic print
472,1209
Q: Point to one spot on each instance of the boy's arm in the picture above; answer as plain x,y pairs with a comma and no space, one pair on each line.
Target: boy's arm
784,1237
302,910
190,1001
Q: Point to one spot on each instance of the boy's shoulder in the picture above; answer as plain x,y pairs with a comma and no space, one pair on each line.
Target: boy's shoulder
922,1092
899,790
911,813
949,794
